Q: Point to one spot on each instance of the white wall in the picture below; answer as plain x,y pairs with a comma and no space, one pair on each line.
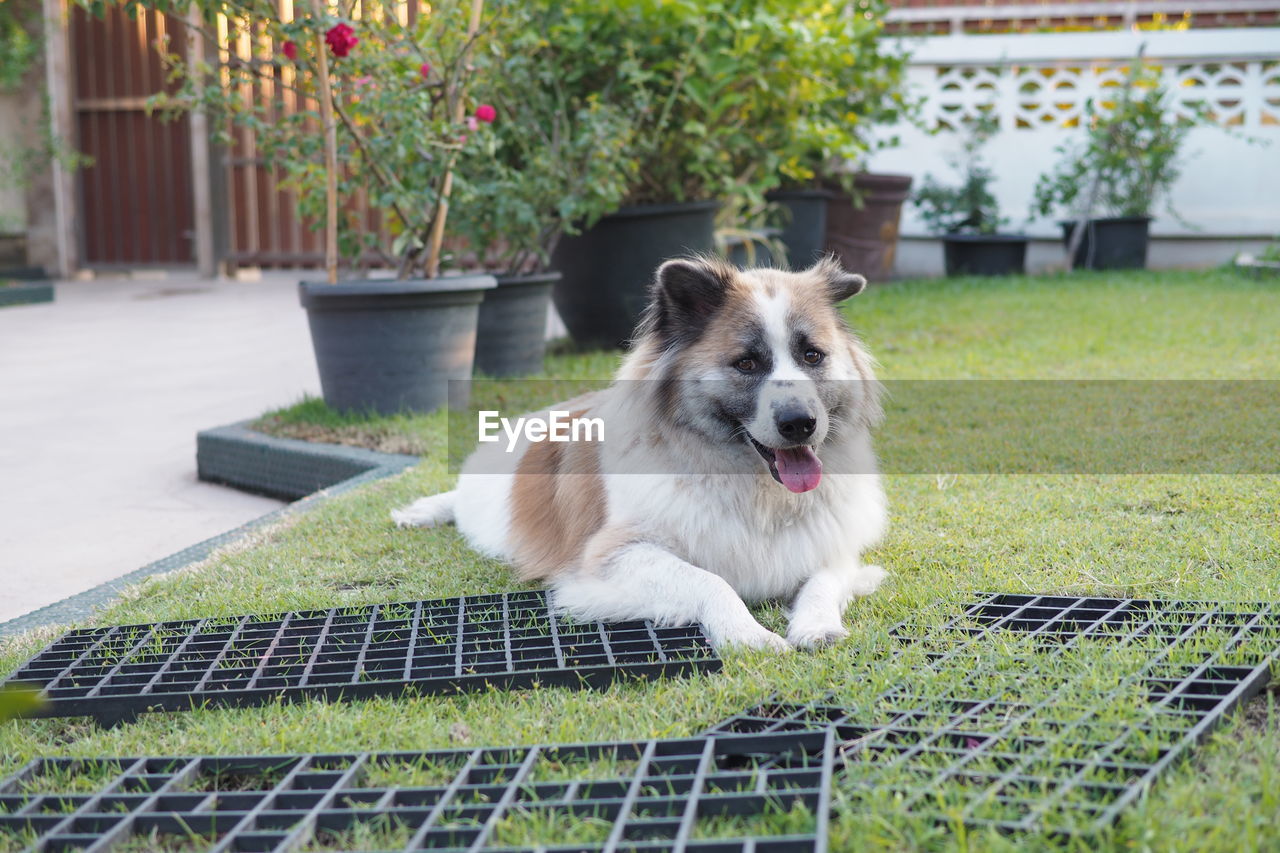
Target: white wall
1036,83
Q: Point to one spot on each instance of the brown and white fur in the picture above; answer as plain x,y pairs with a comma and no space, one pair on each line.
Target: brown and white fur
717,397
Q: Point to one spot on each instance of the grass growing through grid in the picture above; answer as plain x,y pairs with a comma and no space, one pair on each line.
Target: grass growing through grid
86,778
382,832
409,773
1192,537
165,842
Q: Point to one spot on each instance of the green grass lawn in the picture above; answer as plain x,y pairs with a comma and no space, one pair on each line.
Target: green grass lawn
1207,537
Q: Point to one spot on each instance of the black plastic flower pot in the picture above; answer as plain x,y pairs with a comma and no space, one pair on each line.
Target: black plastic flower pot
804,229
393,346
511,335
985,254
606,270
1114,243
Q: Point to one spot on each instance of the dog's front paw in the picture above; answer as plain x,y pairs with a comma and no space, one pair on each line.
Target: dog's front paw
753,636
868,580
815,635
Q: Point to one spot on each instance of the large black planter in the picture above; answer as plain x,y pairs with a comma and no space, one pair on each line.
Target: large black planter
606,271
511,336
985,254
392,346
1115,243
804,231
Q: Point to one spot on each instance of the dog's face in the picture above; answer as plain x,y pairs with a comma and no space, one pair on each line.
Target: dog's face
776,372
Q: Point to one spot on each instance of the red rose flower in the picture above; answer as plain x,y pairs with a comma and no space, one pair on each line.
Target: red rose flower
486,113
290,51
426,70
341,39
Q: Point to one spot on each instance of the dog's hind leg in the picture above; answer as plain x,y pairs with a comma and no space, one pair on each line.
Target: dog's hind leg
640,580
427,512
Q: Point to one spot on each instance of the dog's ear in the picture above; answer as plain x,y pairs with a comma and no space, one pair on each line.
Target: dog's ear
688,291
840,285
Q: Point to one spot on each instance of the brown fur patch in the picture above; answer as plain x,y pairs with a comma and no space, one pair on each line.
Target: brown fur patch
557,504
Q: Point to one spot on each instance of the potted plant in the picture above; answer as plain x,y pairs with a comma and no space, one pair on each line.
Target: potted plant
967,215
655,62
383,110
1127,160
826,202
551,167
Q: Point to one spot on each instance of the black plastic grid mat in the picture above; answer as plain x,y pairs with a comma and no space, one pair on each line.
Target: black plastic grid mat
708,794
1002,744
508,640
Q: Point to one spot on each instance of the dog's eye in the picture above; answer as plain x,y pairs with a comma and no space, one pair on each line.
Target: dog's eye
812,356
746,365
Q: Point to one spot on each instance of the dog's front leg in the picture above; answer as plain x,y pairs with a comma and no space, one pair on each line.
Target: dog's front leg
817,614
641,580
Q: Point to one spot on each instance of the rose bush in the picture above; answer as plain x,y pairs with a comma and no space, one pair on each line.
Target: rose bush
399,98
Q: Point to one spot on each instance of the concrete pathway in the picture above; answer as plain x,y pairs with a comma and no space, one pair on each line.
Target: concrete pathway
101,395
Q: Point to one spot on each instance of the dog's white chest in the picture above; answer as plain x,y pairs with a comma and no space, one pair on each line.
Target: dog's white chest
762,540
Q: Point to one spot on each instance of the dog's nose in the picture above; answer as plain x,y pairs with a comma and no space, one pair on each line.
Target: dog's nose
796,424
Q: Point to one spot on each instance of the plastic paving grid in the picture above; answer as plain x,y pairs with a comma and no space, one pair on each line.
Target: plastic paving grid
646,796
508,640
1055,763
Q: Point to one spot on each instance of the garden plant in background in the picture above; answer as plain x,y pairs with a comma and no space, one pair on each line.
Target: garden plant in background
720,92
553,164
838,84
29,151
379,105
967,214
1128,160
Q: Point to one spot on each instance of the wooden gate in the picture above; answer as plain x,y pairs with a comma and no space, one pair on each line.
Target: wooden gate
135,199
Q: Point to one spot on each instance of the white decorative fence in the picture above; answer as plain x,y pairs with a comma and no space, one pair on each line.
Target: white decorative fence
1037,86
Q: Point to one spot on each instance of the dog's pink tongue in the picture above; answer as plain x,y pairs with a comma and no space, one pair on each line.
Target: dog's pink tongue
799,468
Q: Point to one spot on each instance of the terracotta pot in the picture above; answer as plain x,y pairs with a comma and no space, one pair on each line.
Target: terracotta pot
864,234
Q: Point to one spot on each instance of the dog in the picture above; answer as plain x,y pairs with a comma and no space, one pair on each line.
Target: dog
709,491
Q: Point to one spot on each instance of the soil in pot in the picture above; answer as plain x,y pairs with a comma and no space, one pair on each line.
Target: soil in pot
865,238
606,271
985,254
511,334
1112,243
393,346
804,226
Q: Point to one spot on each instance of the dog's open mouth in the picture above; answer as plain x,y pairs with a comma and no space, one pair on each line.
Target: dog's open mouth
797,468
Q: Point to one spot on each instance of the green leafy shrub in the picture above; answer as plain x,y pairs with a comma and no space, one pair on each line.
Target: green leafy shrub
970,207
20,40
397,90
732,97
1130,152
556,161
